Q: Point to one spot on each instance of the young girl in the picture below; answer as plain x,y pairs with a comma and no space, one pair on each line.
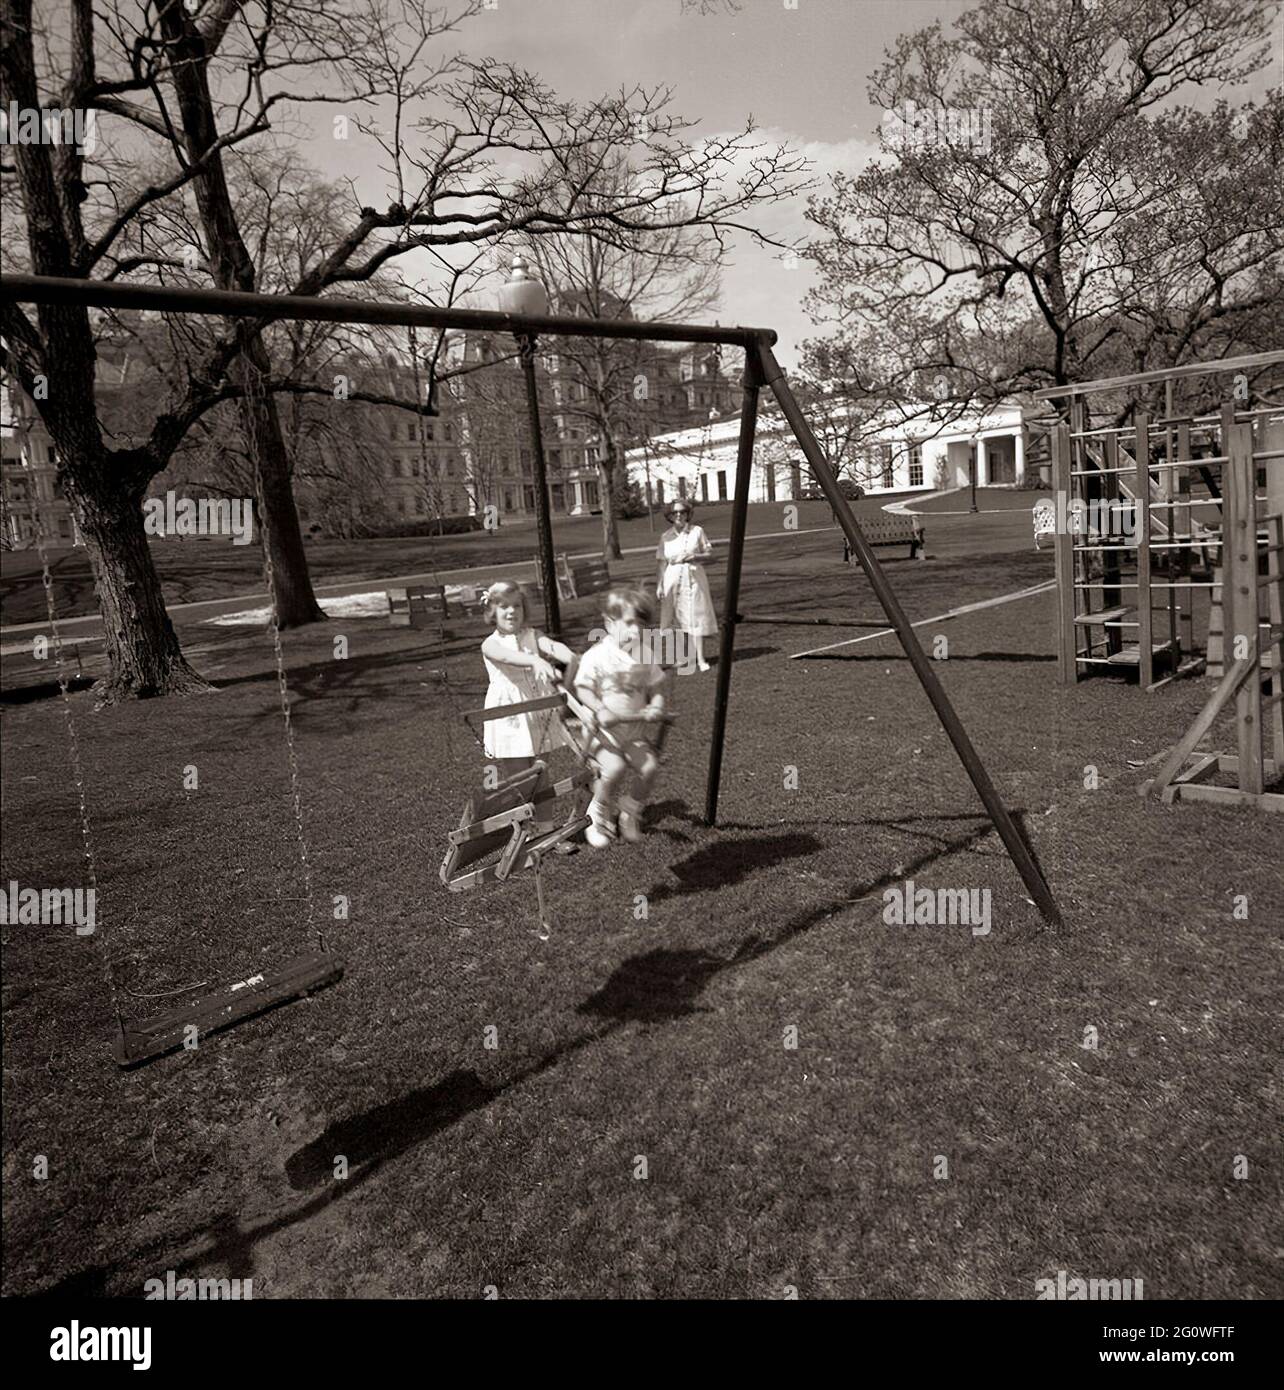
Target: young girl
681,583
519,663
624,693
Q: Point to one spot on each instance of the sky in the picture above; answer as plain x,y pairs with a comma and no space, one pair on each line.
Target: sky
800,73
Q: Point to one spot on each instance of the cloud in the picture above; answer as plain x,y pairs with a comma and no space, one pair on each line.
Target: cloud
761,290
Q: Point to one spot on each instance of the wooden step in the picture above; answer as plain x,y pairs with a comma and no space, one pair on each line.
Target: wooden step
1130,653
1106,615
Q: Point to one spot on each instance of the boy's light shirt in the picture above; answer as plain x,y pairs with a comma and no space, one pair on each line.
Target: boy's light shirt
609,673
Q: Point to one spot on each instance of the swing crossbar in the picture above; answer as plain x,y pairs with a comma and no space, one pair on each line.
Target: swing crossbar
139,1041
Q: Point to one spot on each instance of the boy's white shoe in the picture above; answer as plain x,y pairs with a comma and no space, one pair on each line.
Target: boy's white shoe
630,820
600,836
601,827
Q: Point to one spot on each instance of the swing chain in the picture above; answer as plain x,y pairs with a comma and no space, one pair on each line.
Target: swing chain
73,743
252,378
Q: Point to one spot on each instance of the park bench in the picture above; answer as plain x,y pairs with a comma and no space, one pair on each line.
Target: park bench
891,529
584,576
419,606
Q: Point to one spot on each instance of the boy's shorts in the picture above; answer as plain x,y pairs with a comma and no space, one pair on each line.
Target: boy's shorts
636,737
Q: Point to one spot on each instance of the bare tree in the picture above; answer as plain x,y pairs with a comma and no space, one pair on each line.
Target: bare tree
174,89
1036,219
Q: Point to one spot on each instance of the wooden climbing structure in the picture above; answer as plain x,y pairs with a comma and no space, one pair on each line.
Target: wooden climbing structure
1139,507
1165,522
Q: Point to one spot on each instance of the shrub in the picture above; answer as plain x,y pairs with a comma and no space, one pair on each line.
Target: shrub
437,526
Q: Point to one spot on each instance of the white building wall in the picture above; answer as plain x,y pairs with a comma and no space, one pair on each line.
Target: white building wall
946,452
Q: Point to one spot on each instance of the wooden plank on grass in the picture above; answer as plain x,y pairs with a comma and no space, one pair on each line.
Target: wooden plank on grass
1204,720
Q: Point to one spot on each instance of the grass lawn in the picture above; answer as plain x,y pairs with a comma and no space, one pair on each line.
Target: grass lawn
198,570
664,1037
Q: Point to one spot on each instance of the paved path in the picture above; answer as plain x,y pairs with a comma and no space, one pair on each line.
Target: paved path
1046,587
87,626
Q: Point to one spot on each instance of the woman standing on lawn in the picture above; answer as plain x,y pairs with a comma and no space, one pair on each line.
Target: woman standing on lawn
686,605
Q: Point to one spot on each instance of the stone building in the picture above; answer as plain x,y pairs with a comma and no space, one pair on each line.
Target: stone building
31,499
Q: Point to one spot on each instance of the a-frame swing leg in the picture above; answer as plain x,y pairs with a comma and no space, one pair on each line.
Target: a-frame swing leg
1018,848
744,470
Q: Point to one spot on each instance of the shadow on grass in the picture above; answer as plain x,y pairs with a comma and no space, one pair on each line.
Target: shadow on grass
731,862
652,989
382,1133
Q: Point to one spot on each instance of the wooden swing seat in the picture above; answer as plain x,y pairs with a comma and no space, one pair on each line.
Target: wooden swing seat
502,821
230,1003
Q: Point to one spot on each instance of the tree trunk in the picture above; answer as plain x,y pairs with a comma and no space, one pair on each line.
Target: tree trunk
606,488
280,533
142,648
233,269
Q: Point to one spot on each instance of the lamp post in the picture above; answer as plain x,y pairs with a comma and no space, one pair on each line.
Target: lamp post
522,294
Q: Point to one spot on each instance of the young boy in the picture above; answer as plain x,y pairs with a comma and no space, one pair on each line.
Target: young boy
624,693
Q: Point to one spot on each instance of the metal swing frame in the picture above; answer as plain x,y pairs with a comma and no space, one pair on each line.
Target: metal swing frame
760,369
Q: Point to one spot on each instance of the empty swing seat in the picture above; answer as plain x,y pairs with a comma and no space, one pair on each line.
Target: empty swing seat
230,1003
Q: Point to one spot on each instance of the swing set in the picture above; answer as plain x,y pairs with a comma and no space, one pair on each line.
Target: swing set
253,993
502,824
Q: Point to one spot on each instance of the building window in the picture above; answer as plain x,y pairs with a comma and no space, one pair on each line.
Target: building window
428,429
508,499
704,487
659,491
419,506
722,487
591,495
886,458
682,487
916,465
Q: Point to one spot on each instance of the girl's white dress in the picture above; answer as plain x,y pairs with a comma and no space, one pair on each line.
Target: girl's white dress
524,735
686,603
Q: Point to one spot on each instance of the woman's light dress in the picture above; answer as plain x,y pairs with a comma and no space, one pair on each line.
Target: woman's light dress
686,603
